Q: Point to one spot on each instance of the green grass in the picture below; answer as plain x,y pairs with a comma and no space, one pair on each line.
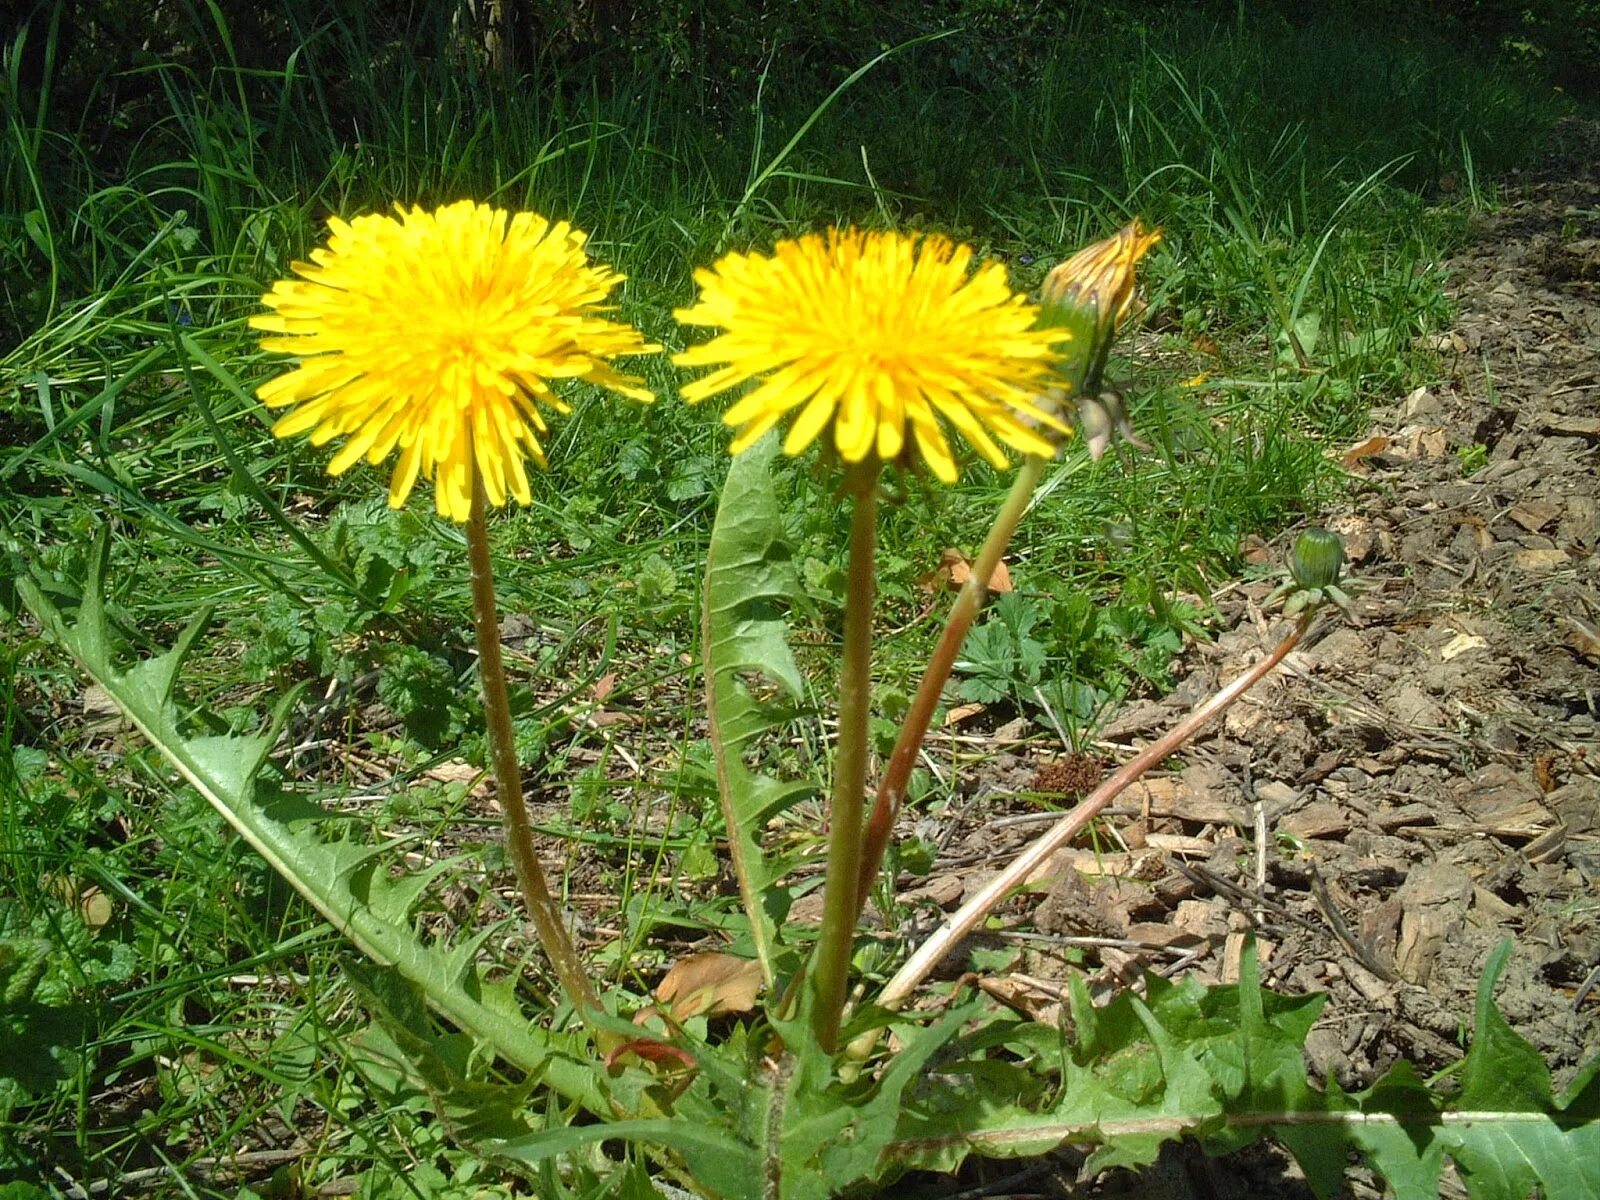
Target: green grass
203,1010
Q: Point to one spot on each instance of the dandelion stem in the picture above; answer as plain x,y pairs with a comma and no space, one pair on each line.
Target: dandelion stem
892,790
542,906
831,967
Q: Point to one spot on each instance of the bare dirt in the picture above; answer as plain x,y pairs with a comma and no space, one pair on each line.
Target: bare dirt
1409,790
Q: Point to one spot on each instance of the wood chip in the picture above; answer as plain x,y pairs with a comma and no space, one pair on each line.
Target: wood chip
1585,427
1176,843
1143,717
963,712
1461,644
1433,902
1162,936
1582,522
1319,820
1201,919
1407,814
1542,560
1233,953
1581,636
1534,515
1491,910
1174,797
1501,802
944,892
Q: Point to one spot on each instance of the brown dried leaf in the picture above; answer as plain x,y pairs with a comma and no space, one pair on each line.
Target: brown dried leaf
957,568
1370,448
963,712
604,686
710,984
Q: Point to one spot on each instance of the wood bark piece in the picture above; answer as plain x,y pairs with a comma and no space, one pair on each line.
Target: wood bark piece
1433,902
1318,820
1502,802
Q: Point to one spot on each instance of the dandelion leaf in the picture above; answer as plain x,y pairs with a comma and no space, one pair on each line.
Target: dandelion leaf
752,679
347,881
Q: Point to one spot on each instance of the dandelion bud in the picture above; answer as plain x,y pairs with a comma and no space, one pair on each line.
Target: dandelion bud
1090,294
1318,559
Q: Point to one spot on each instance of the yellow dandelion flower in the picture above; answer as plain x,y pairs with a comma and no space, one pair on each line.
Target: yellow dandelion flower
865,334
438,333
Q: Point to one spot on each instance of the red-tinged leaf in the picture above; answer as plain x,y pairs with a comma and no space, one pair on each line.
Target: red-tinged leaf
651,1051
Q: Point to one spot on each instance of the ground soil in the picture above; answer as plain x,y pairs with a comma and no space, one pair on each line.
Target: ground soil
1427,778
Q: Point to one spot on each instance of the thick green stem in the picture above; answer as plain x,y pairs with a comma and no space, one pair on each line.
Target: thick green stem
892,790
542,906
831,967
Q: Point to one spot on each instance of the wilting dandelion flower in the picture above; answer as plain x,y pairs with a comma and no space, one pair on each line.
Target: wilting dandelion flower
864,336
438,334
1089,295
1098,280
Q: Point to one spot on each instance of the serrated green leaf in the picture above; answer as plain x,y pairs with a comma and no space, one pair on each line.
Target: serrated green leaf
750,582
1224,1063
339,878
1504,1131
1502,1072
722,1165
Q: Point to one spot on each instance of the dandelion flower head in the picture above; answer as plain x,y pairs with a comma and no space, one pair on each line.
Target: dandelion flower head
438,333
878,339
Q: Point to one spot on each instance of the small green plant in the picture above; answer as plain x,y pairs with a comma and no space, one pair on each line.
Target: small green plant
1473,458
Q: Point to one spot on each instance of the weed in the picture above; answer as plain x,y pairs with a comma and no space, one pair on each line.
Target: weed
144,206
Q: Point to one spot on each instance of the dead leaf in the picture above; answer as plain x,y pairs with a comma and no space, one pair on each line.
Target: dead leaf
1372,447
957,568
604,686
710,984
963,712
1460,644
658,1054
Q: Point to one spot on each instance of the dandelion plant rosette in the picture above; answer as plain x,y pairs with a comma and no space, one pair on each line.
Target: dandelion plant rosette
439,334
877,342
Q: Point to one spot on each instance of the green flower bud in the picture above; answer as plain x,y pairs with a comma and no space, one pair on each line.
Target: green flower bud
1089,295
1318,559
